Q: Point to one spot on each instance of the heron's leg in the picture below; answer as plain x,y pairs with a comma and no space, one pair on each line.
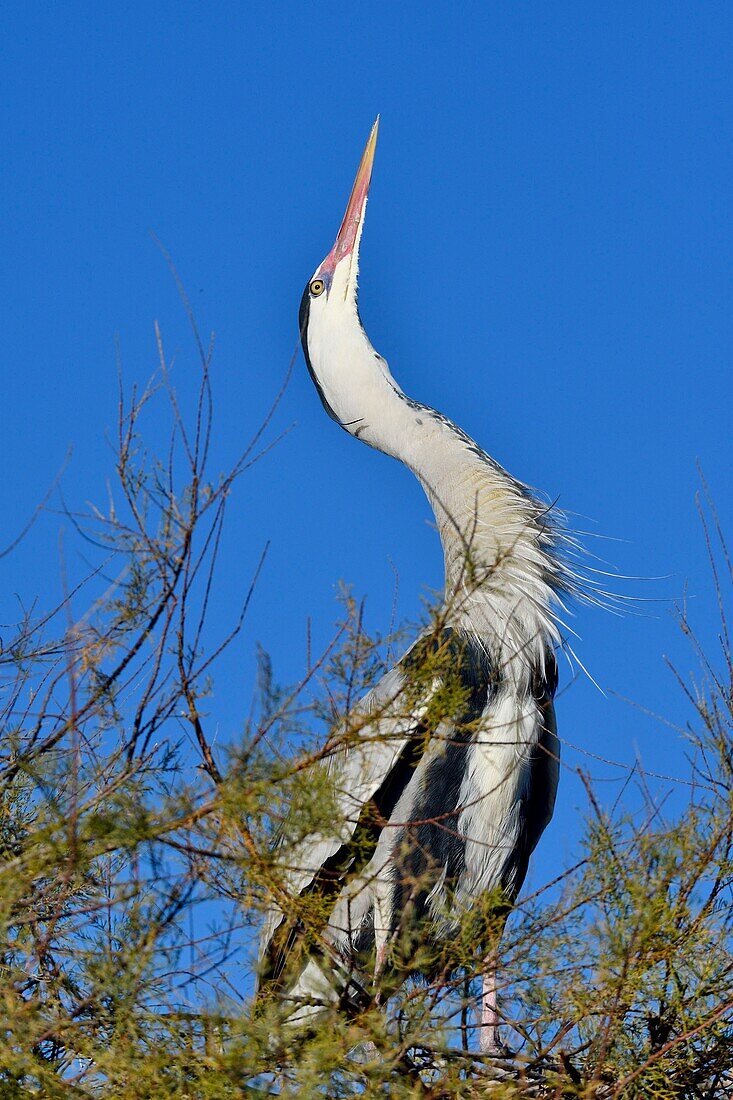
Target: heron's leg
489,1039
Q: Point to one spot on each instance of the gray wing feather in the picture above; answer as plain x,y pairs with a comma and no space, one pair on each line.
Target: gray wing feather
544,777
385,722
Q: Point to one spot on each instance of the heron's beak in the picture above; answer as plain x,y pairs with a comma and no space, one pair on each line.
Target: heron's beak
349,235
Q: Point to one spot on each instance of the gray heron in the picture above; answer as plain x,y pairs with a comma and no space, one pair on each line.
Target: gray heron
438,811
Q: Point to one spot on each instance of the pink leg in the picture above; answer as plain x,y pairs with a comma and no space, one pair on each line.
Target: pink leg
489,1041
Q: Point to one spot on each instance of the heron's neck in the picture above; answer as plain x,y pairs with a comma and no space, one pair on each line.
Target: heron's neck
500,563
499,560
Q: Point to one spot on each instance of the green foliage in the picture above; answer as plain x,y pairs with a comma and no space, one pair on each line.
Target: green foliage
134,871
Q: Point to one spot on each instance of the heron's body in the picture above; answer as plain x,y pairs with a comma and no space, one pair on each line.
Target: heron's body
438,810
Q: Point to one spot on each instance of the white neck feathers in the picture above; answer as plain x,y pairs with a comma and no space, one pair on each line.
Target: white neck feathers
502,568
501,565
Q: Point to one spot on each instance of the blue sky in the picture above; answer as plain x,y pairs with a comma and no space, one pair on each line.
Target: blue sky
546,259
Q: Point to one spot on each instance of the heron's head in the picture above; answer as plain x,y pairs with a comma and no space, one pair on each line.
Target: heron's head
348,373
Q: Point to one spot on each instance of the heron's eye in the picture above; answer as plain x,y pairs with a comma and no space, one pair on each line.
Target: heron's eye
317,287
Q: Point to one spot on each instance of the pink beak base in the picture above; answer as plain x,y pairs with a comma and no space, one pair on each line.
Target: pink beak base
349,231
